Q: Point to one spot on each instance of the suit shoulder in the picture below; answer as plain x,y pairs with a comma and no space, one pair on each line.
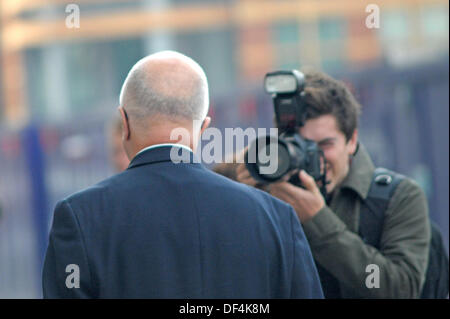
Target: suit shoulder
95,190
258,196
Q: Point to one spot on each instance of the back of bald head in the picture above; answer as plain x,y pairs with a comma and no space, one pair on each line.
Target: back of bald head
165,86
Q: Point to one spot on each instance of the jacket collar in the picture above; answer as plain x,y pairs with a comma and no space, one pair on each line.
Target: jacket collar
359,177
167,153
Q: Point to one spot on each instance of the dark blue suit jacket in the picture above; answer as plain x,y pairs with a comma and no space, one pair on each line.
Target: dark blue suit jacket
166,230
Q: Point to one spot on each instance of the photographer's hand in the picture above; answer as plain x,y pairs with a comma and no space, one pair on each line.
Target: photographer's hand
243,176
306,202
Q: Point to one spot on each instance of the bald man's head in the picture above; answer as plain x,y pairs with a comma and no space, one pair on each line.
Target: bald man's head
165,85
164,94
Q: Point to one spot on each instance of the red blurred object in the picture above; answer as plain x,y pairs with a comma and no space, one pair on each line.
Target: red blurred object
10,146
247,108
49,139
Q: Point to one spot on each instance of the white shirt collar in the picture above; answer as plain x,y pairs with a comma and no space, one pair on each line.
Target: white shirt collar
163,145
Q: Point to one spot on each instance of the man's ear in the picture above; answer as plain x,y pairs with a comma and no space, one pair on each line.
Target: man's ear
125,125
353,142
205,124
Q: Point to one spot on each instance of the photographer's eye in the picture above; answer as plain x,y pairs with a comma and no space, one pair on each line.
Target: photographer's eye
325,144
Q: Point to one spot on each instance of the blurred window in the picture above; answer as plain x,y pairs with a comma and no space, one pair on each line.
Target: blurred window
91,78
256,52
394,25
333,37
286,45
190,2
85,80
434,21
124,54
210,48
332,29
35,82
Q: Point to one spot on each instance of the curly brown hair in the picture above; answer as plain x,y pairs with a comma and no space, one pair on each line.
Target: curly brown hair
324,95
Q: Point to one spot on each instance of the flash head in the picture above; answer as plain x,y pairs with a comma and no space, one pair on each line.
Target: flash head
284,82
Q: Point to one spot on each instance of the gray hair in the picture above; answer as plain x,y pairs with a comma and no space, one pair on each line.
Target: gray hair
175,86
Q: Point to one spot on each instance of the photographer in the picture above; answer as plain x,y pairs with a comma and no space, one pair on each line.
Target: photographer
332,224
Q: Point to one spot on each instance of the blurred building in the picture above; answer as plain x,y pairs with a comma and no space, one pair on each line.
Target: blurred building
50,71
60,85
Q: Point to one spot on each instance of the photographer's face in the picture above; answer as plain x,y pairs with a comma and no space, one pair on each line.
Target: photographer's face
325,132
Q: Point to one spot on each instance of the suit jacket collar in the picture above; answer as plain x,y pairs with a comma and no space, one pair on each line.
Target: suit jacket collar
164,154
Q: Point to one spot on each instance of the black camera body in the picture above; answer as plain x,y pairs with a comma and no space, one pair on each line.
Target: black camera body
290,151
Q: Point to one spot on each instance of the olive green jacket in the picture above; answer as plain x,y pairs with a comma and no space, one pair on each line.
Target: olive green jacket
404,245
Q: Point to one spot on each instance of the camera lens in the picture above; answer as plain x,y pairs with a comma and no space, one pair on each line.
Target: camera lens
282,160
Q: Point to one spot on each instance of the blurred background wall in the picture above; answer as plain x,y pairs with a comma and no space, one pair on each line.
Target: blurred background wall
59,87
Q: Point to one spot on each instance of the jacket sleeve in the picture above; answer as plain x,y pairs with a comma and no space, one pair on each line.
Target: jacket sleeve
403,253
66,273
305,279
